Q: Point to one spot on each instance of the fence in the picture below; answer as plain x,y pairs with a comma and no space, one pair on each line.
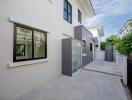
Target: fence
121,61
129,74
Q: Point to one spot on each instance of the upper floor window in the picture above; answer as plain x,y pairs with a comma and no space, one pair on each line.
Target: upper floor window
79,16
29,43
67,11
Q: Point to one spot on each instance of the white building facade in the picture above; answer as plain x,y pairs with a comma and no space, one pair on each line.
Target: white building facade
30,41
97,32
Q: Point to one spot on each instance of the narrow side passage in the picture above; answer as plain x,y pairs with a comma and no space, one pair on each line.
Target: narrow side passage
103,67
103,72
84,85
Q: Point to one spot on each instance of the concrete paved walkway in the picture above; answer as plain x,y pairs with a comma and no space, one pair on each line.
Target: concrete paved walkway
104,67
84,85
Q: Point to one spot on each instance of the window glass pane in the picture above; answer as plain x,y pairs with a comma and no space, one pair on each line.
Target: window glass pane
39,44
65,15
69,18
23,43
65,4
69,9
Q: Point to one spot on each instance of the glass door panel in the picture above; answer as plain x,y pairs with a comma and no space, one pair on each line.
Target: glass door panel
79,55
76,55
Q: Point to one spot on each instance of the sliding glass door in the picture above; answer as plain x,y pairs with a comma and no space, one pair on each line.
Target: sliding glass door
76,55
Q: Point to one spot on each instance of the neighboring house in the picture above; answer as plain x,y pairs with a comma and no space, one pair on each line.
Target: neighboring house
126,28
97,32
31,32
82,34
121,60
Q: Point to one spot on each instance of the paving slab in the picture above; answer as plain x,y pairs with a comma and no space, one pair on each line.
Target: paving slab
104,67
83,85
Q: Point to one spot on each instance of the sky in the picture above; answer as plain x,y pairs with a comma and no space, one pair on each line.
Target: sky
111,14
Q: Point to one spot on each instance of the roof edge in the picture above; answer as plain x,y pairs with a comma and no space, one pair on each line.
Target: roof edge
92,7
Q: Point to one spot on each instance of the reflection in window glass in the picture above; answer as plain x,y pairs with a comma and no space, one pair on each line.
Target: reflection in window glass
23,43
39,44
69,18
67,11
65,5
65,15
29,44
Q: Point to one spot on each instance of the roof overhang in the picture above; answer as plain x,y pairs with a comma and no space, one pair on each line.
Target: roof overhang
87,7
126,27
99,29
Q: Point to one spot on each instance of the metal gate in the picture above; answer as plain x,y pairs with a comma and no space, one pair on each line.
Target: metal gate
129,74
109,53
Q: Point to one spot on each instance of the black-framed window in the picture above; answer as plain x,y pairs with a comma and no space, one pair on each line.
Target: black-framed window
91,47
67,11
29,43
84,49
79,16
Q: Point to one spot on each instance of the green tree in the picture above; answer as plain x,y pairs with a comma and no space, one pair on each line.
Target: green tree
130,24
112,40
124,45
103,45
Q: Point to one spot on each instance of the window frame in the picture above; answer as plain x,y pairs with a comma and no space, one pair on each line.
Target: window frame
32,29
79,16
91,47
84,46
69,14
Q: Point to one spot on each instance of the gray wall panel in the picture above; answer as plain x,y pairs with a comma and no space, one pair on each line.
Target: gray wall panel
67,57
78,31
81,33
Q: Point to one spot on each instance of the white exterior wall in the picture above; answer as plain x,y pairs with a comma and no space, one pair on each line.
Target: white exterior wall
95,33
121,61
43,15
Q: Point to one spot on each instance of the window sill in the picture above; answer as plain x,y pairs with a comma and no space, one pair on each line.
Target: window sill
24,63
84,54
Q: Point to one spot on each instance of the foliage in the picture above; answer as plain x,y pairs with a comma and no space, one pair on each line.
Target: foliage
103,45
124,45
130,24
112,40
